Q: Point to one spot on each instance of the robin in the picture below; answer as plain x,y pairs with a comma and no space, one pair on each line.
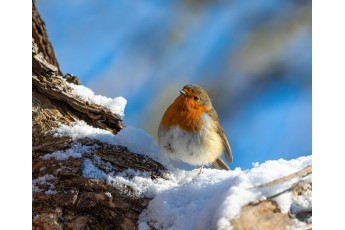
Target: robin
190,131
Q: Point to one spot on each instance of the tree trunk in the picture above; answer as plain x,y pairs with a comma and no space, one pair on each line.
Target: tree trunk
39,35
68,200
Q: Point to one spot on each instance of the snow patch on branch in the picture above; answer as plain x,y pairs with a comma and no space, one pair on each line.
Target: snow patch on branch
116,105
136,140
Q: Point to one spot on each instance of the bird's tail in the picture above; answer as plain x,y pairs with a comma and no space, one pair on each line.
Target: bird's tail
220,164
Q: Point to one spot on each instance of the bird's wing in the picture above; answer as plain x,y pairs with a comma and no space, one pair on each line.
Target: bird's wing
227,150
220,164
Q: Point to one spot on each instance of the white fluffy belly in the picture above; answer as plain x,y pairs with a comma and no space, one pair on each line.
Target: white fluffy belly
191,147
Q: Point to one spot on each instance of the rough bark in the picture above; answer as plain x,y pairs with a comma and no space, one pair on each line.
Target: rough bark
39,34
262,216
82,203
265,214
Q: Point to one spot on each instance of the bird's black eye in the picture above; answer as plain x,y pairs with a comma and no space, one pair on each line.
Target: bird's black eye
196,99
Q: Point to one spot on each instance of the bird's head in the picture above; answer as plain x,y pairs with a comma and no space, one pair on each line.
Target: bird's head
195,95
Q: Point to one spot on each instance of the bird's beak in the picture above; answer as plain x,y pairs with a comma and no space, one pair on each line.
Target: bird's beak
183,93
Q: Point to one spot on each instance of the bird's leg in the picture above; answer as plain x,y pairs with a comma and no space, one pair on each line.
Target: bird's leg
201,169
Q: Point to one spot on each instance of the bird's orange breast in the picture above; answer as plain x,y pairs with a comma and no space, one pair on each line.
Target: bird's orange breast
184,113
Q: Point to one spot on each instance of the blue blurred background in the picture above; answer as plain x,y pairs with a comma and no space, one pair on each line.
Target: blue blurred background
252,57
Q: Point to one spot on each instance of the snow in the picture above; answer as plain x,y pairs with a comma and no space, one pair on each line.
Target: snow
209,201
302,202
284,202
181,199
136,140
108,194
76,151
91,171
44,180
116,105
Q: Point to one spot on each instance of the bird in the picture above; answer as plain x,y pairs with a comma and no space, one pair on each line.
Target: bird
190,131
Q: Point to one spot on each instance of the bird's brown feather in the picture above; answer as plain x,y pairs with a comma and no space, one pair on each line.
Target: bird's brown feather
227,150
220,164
